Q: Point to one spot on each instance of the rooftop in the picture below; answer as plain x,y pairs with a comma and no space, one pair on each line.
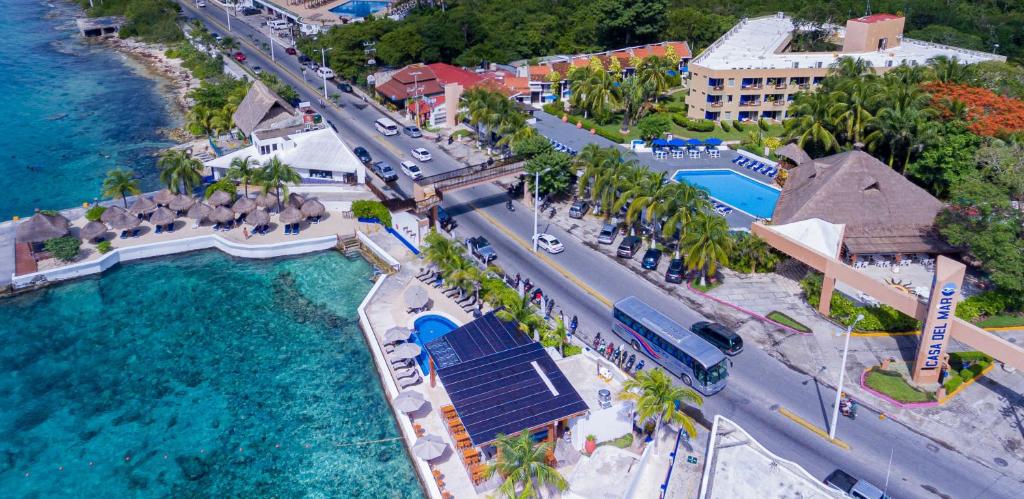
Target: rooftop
314,150
757,43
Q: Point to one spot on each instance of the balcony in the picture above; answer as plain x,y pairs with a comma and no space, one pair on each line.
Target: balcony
718,87
752,86
778,103
805,86
780,85
716,104
750,103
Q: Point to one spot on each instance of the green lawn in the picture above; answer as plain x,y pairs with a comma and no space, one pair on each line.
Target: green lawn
896,387
623,442
1003,321
614,127
786,320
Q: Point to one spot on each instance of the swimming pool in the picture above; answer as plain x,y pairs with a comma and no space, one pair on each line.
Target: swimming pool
429,328
734,189
360,8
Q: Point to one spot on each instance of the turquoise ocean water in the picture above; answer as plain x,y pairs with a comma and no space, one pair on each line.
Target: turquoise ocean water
72,110
198,375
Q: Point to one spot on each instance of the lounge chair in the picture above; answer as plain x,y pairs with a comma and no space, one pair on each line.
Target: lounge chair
407,382
469,306
437,282
389,349
426,277
295,230
452,291
135,232
406,373
124,234
423,273
159,229
170,227
288,230
398,363
736,159
464,299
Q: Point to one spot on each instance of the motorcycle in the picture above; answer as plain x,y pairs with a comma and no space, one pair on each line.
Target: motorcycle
509,206
625,358
597,340
551,212
600,347
639,366
615,355
848,407
608,350
629,363
527,285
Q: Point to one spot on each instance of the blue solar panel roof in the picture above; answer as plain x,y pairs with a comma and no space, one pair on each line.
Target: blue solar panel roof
500,381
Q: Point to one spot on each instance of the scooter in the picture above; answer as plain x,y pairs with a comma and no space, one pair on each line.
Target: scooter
597,340
639,366
600,347
608,350
629,363
509,206
616,354
848,407
527,285
625,359
551,212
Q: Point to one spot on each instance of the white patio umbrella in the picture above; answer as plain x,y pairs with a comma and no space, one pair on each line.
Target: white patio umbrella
397,334
416,297
406,351
408,401
429,447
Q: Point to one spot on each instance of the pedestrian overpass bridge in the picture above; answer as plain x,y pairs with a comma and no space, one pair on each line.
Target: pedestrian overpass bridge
428,192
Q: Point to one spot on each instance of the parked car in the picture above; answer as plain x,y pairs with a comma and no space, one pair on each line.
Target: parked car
411,170
314,66
257,69
675,271
549,243
249,11
629,246
412,131
720,336
385,172
345,87
363,155
651,259
578,209
290,51
853,487
421,154
305,60
608,233
200,3
325,72
240,57
481,249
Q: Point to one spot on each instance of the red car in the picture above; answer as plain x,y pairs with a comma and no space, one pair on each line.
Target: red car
290,51
240,57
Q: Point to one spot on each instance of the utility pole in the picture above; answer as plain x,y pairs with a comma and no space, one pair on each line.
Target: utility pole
323,61
227,14
842,371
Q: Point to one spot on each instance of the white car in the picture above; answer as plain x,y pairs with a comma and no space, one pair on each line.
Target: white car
325,72
421,154
411,170
200,3
549,243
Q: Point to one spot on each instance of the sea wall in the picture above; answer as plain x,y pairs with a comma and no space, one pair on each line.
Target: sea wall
163,248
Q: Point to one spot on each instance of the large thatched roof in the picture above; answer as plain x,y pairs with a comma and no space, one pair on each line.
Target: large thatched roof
199,211
243,205
119,219
41,227
261,105
258,217
181,202
794,153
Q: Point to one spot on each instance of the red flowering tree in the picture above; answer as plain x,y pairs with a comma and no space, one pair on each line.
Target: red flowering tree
988,113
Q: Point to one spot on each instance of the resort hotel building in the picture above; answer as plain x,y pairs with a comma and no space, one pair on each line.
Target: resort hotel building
753,72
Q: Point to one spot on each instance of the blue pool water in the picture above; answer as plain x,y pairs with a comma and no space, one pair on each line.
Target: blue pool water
429,328
734,189
360,8
73,111
199,375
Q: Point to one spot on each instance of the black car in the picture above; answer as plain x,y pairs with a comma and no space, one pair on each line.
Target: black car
249,11
345,87
305,59
720,336
629,246
675,271
651,259
363,155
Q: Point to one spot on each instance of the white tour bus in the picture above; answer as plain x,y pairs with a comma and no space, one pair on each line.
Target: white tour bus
386,126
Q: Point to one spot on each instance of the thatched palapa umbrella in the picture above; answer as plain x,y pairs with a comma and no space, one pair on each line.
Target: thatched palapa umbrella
41,227
199,211
291,215
258,218
222,214
219,198
163,216
120,219
243,205
110,213
181,202
92,230
266,200
296,200
163,197
142,205
313,208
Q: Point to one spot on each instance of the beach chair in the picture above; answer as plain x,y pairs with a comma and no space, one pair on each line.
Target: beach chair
288,229
736,159
159,229
423,272
397,363
135,233
452,291
407,382
124,234
408,372
439,282
470,305
296,229
170,227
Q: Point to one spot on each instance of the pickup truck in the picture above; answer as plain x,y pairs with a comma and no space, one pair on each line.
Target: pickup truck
853,487
384,171
481,249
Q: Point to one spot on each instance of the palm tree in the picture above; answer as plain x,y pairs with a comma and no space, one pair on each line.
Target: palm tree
859,96
707,244
243,169
658,398
462,274
653,73
643,194
518,310
558,334
595,93
754,250
277,174
122,183
950,69
633,94
523,465
486,111
902,131
442,251
813,121
846,68
179,172
679,207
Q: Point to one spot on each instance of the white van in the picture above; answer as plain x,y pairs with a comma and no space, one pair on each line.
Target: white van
386,126
277,24
325,72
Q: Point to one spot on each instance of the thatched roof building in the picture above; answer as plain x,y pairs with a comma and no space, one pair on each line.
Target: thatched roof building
261,108
41,228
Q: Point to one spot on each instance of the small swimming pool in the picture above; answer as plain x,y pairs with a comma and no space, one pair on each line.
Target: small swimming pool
734,189
360,8
429,328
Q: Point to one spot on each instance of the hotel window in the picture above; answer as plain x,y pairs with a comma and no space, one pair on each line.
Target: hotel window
732,82
728,115
888,63
264,150
796,65
817,64
273,147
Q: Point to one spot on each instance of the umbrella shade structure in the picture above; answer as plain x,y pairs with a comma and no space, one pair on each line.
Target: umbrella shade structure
219,198
120,219
416,297
164,197
221,215
409,401
313,208
243,205
111,212
677,142
659,142
181,202
694,142
406,351
266,200
41,227
397,334
291,215
713,141
258,217
296,200
163,216
142,205
92,230
429,447
199,211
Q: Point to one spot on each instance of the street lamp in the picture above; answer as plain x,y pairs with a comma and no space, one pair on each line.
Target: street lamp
270,35
536,204
415,87
842,371
323,61
227,14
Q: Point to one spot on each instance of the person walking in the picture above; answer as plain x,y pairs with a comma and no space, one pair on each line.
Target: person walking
245,232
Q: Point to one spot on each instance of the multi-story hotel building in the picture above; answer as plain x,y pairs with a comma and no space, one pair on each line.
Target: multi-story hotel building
750,72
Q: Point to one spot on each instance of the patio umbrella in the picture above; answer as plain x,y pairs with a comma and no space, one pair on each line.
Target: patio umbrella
659,142
243,205
396,334
291,215
181,202
109,213
199,211
409,401
296,200
120,219
266,200
429,447
694,142
41,227
142,205
257,218
416,297
219,198
313,208
407,351
221,215
92,230
713,141
677,142
163,216
163,197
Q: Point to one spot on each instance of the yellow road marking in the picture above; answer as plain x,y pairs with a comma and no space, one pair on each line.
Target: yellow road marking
543,257
1003,329
389,146
814,429
885,333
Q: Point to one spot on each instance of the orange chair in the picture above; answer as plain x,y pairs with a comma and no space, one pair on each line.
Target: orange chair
446,495
418,428
437,473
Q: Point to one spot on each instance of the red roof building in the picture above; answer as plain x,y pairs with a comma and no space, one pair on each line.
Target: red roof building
414,80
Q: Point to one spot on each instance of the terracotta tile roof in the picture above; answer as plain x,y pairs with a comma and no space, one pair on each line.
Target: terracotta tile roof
404,84
874,18
446,73
540,71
